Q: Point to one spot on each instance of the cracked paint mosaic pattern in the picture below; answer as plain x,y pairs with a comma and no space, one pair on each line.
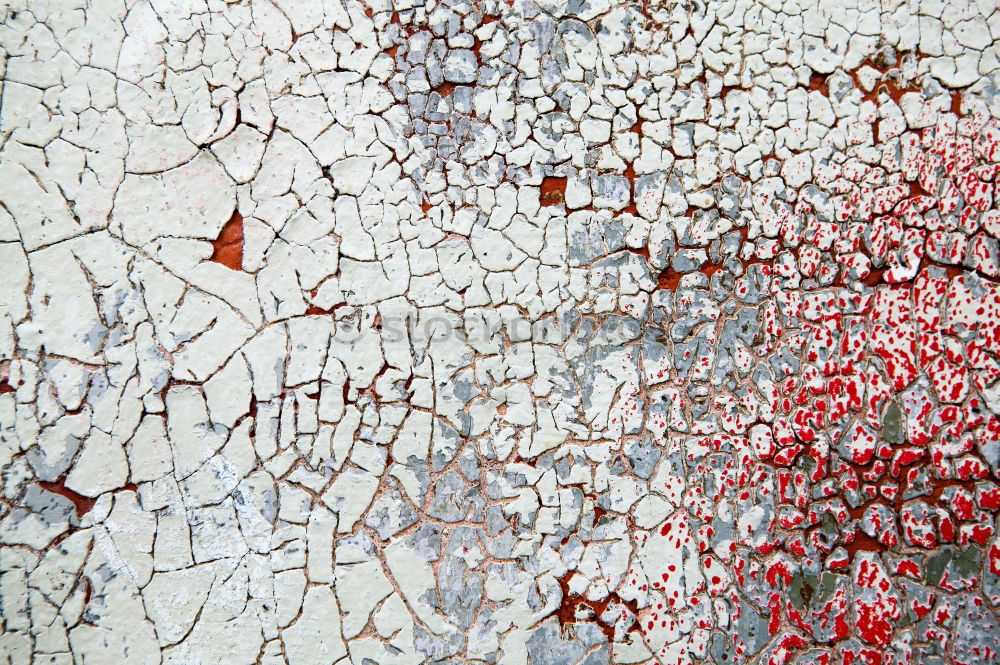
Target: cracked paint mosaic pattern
560,332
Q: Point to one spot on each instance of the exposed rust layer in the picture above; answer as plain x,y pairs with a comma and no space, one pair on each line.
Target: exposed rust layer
571,603
228,247
553,191
83,504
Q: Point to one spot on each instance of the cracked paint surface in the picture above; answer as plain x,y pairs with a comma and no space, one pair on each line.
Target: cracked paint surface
551,333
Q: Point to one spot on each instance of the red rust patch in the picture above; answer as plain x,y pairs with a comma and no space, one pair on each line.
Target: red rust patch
553,191
668,280
566,612
710,269
862,542
83,504
630,176
445,89
916,189
228,247
817,82
5,386
956,102
875,277
314,310
895,92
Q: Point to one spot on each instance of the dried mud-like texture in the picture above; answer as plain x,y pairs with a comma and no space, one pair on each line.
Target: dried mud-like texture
556,333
